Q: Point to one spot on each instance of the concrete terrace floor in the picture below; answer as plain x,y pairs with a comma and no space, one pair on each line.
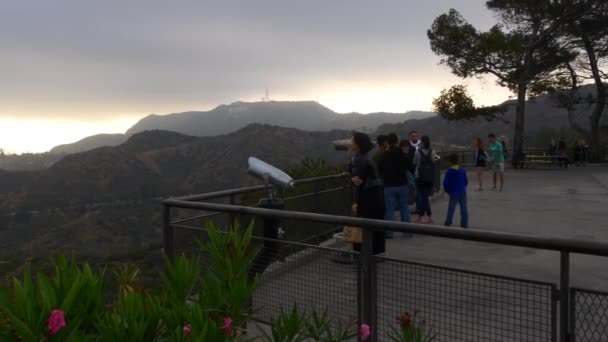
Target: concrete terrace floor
569,203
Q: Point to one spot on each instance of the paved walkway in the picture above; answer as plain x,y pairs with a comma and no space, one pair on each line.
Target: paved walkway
569,203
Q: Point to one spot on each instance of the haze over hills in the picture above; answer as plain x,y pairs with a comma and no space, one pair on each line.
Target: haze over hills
105,200
90,143
304,115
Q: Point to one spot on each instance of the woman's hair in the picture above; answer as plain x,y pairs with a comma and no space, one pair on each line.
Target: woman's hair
363,141
404,143
426,142
479,143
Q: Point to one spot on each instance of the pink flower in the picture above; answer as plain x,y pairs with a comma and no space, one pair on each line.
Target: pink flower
56,322
364,331
228,327
187,329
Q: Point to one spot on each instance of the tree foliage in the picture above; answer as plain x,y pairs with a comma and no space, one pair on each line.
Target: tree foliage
456,104
519,51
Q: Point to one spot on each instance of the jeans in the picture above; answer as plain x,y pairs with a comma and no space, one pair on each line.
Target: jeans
423,203
394,195
464,213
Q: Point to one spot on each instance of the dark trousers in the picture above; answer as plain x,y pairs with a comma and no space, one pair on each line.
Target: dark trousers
464,213
371,206
423,203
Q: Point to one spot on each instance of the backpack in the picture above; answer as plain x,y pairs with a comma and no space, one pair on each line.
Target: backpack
426,168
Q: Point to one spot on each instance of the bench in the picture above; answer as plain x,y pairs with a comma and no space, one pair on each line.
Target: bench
542,160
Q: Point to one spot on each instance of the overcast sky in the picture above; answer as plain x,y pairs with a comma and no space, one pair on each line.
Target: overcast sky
71,68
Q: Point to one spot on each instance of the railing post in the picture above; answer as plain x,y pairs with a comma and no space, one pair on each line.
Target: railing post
167,231
368,284
232,216
564,294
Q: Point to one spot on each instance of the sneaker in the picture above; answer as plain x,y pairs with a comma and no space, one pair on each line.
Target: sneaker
479,189
494,189
430,221
500,189
420,220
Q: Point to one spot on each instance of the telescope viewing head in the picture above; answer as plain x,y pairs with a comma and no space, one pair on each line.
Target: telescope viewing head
269,174
342,145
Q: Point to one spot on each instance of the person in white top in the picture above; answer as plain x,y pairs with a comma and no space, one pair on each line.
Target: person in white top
414,141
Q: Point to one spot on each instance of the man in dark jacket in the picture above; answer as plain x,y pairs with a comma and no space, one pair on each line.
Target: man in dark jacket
394,166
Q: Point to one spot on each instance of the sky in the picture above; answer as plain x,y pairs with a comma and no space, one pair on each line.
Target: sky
73,68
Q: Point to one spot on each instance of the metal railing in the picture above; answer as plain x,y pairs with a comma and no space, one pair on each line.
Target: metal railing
458,304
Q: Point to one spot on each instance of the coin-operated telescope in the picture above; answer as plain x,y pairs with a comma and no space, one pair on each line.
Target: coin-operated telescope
275,180
342,145
272,176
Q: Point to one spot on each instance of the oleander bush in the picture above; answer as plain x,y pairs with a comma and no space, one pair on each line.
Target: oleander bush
192,304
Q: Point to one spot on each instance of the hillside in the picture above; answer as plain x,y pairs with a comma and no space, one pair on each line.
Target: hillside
105,200
89,143
304,115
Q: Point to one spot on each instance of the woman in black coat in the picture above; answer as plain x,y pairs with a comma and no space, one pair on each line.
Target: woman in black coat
368,191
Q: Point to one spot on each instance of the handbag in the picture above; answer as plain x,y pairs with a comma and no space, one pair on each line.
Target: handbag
353,234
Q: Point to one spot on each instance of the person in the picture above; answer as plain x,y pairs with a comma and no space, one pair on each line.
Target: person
480,162
414,141
368,194
562,151
578,153
382,142
498,161
585,152
455,185
553,152
406,148
394,167
505,152
424,159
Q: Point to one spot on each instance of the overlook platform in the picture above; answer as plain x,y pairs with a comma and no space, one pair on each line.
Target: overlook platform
570,203
531,268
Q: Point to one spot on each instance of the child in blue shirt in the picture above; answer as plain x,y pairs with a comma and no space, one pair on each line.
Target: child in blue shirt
455,184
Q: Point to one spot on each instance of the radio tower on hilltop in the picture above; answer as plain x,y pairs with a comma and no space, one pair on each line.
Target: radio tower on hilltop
266,97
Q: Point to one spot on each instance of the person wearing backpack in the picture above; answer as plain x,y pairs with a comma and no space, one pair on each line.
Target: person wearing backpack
424,159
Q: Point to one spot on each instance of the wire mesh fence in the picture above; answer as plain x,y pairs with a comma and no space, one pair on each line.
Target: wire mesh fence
298,268
308,278
589,315
456,305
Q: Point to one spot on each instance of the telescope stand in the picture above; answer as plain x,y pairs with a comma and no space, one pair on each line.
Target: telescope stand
270,249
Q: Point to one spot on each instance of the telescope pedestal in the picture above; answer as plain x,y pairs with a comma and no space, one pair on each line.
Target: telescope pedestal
270,249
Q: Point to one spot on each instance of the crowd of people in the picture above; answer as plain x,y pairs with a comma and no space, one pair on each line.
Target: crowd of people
384,182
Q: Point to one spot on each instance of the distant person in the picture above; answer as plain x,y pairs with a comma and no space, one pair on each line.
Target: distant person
497,158
578,153
505,152
414,141
480,162
553,152
455,185
585,152
562,150
394,166
368,194
382,142
425,159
